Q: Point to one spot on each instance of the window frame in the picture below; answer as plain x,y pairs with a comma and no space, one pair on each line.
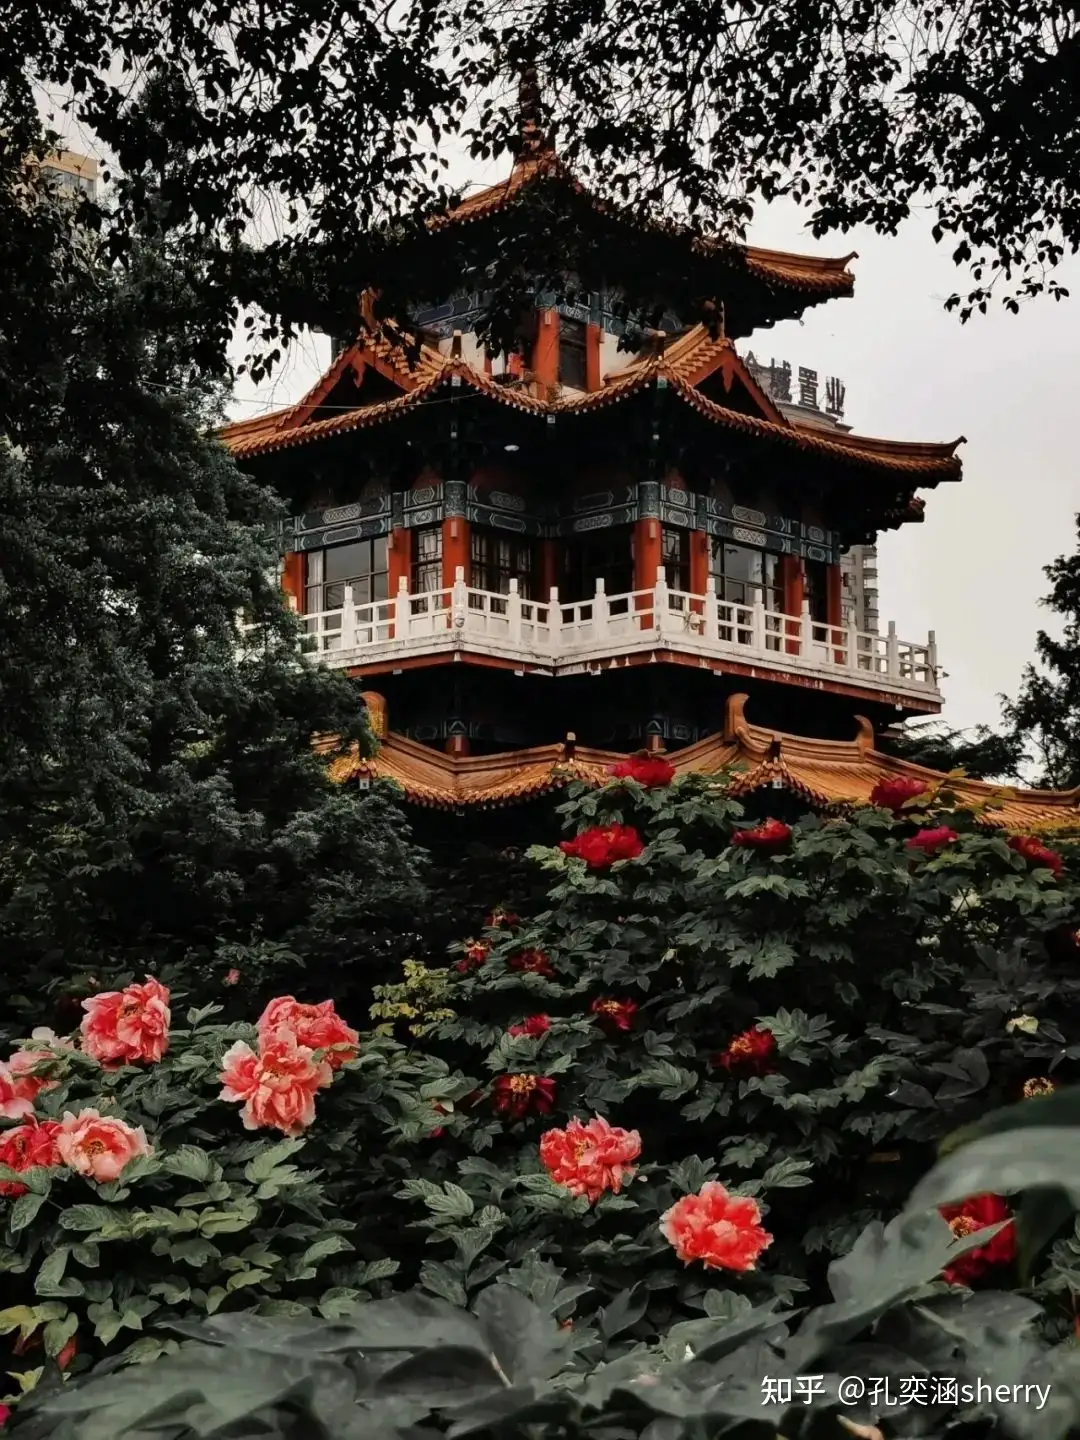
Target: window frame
573,353
423,568
364,583
496,556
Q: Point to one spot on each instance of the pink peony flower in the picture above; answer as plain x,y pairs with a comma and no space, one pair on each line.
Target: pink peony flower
23,1065
122,1026
232,977
276,1086
99,1146
714,1226
314,1027
16,1094
590,1158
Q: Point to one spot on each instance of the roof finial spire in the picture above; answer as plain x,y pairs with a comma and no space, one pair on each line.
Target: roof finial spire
531,140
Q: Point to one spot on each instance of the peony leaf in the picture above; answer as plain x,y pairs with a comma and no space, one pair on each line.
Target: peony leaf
192,1163
24,1211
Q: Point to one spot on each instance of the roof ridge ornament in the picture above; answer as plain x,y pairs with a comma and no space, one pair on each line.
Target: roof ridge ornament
532,142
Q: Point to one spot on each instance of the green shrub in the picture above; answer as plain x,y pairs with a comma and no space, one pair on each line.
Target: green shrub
801,1014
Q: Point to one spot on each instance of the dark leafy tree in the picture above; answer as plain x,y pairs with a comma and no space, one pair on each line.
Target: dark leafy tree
1045,716
980,753
336,120
161,803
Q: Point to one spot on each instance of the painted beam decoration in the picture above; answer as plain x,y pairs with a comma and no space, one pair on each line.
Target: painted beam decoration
598,307
578,515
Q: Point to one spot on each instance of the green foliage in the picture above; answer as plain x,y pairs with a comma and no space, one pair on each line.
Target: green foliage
1045,716
978,118
980,753
506,1367
161,803
217,1218
907,995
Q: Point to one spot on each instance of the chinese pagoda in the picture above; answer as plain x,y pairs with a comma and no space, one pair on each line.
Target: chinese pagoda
611,538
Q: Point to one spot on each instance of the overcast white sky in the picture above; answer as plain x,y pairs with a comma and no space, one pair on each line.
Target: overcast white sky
1011,383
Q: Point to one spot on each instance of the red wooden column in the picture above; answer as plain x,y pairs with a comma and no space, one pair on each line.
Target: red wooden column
699,568
549,571
593,339
791,578
834,605
834,595
648,556
398,563
455,548
292,581
545,364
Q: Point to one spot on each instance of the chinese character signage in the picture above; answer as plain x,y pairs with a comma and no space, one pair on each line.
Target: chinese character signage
775,379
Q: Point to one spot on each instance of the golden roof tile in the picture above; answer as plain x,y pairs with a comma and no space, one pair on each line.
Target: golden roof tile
827,275
273,432
831,775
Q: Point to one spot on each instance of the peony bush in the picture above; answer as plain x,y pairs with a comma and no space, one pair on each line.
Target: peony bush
152,1172
728,1043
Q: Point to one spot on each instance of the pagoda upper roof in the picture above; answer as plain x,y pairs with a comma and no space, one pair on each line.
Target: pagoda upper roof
421,375
833,776
816,278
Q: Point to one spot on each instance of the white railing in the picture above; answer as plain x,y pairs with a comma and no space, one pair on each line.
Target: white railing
571,636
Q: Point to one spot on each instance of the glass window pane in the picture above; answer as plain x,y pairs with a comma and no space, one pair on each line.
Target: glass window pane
345,561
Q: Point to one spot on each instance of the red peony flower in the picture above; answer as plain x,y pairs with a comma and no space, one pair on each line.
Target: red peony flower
532,1025
931,841
589,1159
895,793
648,770
501,919
515,1095
440,1130
532,962
714,1226
750,1053
25,1147
5,1412
476,952
770,837
976,1213
614,1014
1036,852
601,845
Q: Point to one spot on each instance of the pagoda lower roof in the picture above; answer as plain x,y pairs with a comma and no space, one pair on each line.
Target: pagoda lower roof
833,776
431,372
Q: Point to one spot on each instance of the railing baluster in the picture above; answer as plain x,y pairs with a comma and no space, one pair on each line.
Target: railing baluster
348,621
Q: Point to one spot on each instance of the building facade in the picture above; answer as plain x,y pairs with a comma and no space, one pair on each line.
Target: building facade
617,536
